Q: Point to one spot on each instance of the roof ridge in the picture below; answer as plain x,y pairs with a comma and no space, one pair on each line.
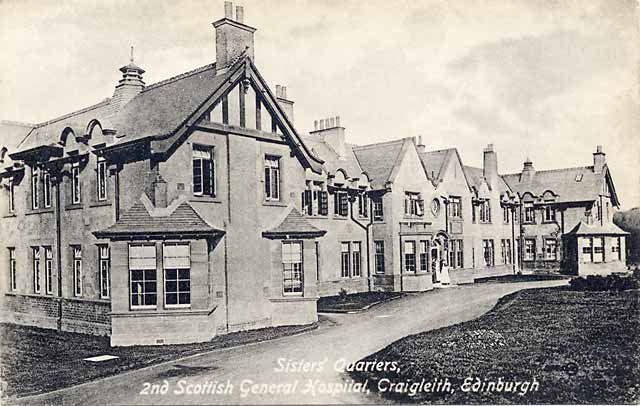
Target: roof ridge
73,113
573,168
367,146
439,150
179,76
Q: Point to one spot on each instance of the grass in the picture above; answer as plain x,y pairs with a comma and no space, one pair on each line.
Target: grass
36,360
354,301
582,347
523,278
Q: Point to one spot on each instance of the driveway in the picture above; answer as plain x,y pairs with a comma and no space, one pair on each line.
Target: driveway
299,369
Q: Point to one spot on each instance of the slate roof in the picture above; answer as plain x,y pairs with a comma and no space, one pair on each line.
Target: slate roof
560,181
162,107
379,160
475,176
332,161
137,221
434,163
583,228
294,225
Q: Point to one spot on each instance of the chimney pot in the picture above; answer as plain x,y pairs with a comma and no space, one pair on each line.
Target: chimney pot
332,122
284,92
278,91
337,121
599,148
315,125
240,14
228,10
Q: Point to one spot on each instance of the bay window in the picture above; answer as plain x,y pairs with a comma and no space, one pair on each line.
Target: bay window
424,255
410,256
615,248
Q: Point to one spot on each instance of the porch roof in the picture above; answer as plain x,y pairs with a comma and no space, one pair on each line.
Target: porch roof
584,229
293,225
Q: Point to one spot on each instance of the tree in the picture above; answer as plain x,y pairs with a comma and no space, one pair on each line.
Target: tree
629,221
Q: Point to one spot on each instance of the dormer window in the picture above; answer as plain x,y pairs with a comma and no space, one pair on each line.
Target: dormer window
203,171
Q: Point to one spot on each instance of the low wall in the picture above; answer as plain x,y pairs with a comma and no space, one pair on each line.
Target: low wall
351,285
418,282
78,315
294,311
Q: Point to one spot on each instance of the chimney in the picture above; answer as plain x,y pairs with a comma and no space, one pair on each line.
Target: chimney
160,192
331,132
129,86
421,147
527,171
490,166
284,102
599,160
233,37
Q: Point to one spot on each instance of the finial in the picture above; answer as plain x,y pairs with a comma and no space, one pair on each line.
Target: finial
131,58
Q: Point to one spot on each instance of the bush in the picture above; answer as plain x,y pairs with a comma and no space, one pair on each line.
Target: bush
343,295
613,283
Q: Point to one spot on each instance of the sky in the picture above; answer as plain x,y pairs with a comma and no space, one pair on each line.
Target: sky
544,79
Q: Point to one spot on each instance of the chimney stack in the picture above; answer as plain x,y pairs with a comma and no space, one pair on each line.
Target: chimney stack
160,192
284,102
490,166
129,86
599,160
331,132
527,171
233,38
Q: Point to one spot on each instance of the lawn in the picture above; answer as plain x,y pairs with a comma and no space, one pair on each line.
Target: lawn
354,301
36,360
581,347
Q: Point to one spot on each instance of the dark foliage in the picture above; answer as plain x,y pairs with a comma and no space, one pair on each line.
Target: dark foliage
598,283
629,221
354,301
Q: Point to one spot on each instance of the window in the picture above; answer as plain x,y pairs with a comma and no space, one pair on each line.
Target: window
176,261
36,269
485,211
505,246
378,212
587,250
46,188
473,211
598,249
345,270
357,259
12,270
435,207
48,270
410,256
77,269
505,215
549,214
455,206
323,202
307,202
142,273
12,196
341,203
104,265
379,256
456,254
293,282
101,172
35,201
529,213
272,177
424,255
363,205
75,183
550,249
489,252
413,204
615,248
529,249
203,171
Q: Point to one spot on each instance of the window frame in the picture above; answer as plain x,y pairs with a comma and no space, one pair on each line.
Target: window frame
455,207
549,214
424,255
212,184
363,205
12,196
77,269
506,215
35,198
413,204
48,270
525,256
104,270
293,270
616,248
345,259
550,242
272,188
598,255
378,210
35,253
76,187
13,277
153,271
102,193
410,265
529,213
489,253
46,189
379,257
177,279
356,259
341,203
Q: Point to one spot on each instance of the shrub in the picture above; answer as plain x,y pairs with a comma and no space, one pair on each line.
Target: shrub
593,283
343,295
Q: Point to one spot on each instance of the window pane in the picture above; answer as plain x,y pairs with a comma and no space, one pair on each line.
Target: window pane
171,298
